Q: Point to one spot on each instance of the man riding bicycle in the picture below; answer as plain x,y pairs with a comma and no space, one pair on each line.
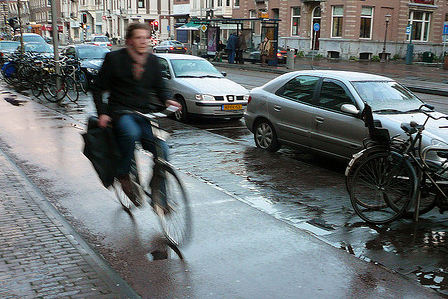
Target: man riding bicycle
133,78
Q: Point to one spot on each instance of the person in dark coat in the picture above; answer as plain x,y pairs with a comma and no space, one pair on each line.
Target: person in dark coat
242,46
133,78
232,44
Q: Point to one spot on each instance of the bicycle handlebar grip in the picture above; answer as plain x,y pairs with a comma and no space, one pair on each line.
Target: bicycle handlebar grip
431,107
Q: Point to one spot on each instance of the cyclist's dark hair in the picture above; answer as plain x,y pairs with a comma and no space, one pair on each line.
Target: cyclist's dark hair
135,26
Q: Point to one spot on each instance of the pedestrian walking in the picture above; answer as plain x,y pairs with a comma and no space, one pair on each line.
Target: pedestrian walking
232,44
265,48
242,47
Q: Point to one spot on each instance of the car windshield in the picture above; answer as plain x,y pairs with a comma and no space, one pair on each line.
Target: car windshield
39,48
92,52
102,39
387,96
9,45
196,68
33,38
177,44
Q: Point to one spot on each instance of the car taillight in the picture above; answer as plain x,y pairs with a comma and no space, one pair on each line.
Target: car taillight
1,54
249,99
96,44
171,48
109,45
279,54
185,48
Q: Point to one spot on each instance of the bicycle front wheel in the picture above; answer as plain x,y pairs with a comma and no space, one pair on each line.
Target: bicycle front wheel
382,187
175,215
51,91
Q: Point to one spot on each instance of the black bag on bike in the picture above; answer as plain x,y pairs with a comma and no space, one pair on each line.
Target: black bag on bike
101,148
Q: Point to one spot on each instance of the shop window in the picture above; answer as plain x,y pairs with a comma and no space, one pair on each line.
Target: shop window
337,20
366,22
295,20
421,22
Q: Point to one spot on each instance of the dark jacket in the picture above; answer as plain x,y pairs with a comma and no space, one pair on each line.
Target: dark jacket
127,93
232,43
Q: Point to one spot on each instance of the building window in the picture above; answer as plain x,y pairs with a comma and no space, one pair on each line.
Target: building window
227,2
219,3
140,3
295,20
420,22
237,3
366,22
338,16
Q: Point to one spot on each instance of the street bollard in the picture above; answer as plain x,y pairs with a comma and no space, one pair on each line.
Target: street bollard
409,54
290,59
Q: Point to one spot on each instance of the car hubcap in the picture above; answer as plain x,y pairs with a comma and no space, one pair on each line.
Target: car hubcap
264,135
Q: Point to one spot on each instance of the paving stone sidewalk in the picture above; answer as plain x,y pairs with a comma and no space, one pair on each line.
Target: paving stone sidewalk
41,256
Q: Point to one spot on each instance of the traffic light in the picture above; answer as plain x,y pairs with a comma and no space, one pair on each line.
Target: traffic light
155,25
84,26
84,18
13,22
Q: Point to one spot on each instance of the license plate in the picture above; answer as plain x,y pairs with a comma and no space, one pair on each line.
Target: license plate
179,48
232,107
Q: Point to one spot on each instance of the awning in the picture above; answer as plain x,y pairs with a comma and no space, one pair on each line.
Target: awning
189,26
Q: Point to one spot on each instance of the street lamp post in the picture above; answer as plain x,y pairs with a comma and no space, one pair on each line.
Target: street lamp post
383,55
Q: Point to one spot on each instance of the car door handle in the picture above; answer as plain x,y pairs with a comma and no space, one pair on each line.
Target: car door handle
277,108
319,119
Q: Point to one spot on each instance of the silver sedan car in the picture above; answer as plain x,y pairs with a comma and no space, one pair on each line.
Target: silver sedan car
320,111
201,89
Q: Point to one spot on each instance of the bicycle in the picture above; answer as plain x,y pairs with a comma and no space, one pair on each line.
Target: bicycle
383,182
164,191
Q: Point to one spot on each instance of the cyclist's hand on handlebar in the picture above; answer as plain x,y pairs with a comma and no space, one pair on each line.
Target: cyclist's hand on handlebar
173,103
104,120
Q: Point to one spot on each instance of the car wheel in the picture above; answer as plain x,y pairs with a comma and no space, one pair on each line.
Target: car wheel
181,115
265,136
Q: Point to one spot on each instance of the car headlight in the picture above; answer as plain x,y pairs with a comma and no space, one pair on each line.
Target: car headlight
92,71
204,97
246,97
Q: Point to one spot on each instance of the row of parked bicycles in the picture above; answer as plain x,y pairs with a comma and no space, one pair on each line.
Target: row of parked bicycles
38,73
395,177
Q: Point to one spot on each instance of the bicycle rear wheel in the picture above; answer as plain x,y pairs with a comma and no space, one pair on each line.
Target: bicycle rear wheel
175,215
382,187
72,90
124,200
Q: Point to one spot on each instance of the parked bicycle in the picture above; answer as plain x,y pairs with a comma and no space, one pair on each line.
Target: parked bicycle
164,191
393,177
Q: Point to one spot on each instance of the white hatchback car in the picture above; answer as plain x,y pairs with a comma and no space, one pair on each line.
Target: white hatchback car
201,89
99,40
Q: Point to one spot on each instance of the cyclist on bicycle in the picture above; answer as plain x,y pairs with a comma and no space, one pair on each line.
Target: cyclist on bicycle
133,78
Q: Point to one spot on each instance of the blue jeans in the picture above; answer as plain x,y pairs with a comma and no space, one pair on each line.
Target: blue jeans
131,128
231,56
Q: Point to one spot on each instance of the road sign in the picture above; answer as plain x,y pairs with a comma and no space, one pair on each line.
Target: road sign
408,29
445,29
204,28
168,28
104,17
316,26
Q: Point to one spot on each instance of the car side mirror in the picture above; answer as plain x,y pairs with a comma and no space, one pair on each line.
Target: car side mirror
166,74
224,73
350,108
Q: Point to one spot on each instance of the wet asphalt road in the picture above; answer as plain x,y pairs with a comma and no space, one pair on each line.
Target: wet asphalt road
304,190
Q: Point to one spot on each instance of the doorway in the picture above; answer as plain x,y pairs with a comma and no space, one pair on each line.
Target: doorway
316,18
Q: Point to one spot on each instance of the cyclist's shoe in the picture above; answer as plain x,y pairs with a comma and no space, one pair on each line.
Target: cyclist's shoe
126,185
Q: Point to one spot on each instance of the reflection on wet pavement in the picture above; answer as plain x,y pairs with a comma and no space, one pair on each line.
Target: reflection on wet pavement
309,192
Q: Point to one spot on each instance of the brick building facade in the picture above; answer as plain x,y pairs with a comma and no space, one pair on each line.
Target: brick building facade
354,28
